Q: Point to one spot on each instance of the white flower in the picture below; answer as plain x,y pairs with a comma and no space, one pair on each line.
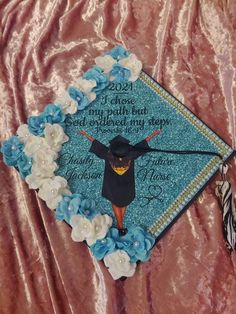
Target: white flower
101,225
23,133
86,86
91,231
133,64
52,191
91,96
67,104
55,136
105,63
119,265
81,228
44,164
33,144
34,181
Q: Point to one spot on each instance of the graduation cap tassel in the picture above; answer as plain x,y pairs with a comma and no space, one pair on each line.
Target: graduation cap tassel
224,192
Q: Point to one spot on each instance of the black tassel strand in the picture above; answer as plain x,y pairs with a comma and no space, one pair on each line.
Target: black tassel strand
224,192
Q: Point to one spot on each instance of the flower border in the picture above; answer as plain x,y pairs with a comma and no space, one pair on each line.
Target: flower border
35,149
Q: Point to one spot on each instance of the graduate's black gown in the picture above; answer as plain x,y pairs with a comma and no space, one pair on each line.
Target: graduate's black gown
118,189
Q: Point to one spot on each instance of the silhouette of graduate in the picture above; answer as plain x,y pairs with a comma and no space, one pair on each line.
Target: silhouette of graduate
118,181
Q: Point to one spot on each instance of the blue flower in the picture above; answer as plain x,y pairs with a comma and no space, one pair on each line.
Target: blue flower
68,207
118,53
120,73
121,241
36,124
79,97
88,208
139,244
102,247
12,150
75,204
53,114
62,212
97,75
24,165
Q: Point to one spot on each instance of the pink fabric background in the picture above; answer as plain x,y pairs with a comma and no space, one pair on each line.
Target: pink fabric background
189,46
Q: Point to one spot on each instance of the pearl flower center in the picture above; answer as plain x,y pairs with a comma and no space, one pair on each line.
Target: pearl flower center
136,243
85,226
53,191
122,260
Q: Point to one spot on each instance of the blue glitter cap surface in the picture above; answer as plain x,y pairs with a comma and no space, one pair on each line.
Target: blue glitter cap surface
164,183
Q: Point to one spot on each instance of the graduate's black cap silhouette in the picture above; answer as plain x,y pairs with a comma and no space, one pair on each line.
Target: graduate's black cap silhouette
118,139
120,146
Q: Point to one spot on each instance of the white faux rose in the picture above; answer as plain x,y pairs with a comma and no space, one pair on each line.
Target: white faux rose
91,96
53,190
134,65
55,136
81,228
105,63
34,181
101,225
119,265
86,86
33,144
91,231
44,164
23,133
67,104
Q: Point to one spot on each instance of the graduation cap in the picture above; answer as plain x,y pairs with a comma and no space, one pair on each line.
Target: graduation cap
119,138
120,146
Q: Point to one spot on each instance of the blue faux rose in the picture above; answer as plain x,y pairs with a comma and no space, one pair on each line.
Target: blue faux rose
73,205
102,247
12,149
120,241
118,53
97,75
140,246
120,73
36,124
88,208
62,212
68,207
53,114
81,99
24,165
137,243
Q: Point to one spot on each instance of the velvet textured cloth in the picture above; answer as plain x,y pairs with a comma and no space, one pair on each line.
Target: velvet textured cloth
189,46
